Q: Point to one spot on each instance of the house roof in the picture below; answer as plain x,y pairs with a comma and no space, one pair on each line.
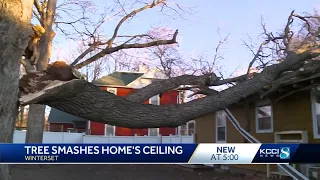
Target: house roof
118,78
57,116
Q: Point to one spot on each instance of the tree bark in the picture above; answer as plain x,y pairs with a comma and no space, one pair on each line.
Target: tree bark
81,98
35,123
15,16
36,115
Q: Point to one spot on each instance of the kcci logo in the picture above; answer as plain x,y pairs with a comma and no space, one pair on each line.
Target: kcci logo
282,153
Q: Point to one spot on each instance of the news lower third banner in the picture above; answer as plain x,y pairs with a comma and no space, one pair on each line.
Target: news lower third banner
159,153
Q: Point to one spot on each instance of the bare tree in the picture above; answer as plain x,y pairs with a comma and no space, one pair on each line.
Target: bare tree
45,13
136,116
96,44
72,95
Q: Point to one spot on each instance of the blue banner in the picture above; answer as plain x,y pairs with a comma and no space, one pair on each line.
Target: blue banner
203,153
96,153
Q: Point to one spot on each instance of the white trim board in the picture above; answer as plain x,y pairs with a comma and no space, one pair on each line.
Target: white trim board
225,126
316,135
158,98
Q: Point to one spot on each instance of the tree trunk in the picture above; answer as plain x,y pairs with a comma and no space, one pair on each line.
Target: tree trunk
35,123
36,116
15,16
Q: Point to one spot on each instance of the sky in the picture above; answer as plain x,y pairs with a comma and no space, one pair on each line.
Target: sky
198,30
198,27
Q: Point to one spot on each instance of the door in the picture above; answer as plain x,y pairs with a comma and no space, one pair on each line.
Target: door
221,127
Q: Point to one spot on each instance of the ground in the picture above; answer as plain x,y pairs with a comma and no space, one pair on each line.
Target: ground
116,172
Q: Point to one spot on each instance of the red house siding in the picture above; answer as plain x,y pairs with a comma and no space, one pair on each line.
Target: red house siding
166,98
96,128
169,97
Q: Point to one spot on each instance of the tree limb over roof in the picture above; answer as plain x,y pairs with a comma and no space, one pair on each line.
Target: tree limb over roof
83,99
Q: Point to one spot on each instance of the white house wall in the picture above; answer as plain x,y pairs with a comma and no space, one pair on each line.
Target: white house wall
146,79
139,83
154,74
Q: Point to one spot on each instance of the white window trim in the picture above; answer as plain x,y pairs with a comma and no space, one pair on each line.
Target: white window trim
179,98
256,117
314,116
225,141
89,128
115,90
179,128
158,131
105,126
105,130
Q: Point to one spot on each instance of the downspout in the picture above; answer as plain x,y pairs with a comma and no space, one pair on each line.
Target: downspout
286,167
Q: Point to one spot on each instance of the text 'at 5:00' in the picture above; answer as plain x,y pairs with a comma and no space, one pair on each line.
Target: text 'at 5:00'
224,157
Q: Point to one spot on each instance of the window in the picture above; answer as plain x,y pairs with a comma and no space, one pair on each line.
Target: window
191,128
179,98
187,129
155,100
153,132
315,99
112,90
109,130
221,127
264,119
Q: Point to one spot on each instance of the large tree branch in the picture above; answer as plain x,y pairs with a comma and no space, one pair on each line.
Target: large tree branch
107,50
159,86
83,99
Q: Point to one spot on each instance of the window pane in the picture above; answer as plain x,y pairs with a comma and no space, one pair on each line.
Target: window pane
221,118
221,133
264,111
109,130
191,132
154,100
264,123
183,132
191,125
184,126
317,104
153,131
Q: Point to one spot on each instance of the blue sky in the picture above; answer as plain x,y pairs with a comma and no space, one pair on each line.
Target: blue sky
198,32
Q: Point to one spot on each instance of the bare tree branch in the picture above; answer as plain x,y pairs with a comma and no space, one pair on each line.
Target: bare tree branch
131,14
125,46
38,7
37,16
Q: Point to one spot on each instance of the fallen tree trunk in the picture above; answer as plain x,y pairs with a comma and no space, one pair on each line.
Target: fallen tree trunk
15,17
83,99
